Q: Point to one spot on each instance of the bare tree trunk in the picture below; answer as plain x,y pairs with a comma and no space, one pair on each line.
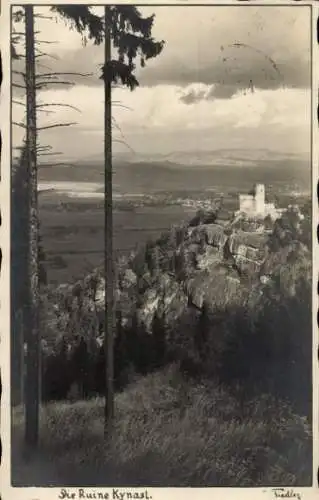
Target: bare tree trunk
19,273
109,273
16,356
32,299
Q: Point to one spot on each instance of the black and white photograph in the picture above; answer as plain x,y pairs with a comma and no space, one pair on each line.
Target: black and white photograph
162,231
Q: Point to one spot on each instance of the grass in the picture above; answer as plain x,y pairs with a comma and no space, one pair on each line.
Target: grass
169,433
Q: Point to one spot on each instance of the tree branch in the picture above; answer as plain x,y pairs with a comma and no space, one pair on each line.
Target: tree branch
50,154
49,82
41,16
122,106
14,101
46,41
121,132
44,148
47,111
40,65
41,53
40,85
21,73
59,74
15,55
57,125
116,105
58,105
16,85
49,165
20,33
125,144
19,125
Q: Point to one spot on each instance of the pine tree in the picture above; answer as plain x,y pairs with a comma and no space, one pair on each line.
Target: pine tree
84,20
32,293
131,35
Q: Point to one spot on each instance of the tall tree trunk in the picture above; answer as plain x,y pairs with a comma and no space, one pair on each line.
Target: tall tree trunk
19,267
32,299
108,234
16,356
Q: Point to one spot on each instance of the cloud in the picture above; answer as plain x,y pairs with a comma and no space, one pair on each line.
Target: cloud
192,95
243,68
231,46
226,47
155,119
204,91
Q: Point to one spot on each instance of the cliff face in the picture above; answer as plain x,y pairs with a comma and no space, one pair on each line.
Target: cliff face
204,265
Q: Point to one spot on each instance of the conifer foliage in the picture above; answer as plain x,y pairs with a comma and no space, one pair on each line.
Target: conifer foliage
83,21
132,38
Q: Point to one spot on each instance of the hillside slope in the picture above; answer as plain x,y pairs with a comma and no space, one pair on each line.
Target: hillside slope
170,433
208,295
213,351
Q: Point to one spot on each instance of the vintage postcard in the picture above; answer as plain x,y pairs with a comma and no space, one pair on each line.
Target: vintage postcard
159,252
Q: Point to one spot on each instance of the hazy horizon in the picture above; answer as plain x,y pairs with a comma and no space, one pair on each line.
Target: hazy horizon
178,157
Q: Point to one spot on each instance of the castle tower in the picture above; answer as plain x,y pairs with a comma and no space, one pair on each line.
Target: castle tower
260,198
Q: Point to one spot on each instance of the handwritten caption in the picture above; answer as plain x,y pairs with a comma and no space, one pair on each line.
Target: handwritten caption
286,493
143,494
113,494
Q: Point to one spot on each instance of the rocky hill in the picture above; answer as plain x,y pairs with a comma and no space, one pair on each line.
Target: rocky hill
207,295
185,268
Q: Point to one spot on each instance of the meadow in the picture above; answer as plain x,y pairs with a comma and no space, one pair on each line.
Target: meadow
169,432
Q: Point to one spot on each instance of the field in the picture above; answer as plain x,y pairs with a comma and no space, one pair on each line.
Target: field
74,240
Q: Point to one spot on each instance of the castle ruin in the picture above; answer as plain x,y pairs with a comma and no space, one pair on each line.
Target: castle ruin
254,204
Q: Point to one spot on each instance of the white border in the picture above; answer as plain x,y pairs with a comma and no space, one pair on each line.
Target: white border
7,492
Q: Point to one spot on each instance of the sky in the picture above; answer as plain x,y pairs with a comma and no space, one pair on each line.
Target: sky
228,77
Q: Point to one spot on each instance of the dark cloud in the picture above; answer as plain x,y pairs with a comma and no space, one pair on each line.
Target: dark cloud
259,51
227,78
192,96
229,73
222,92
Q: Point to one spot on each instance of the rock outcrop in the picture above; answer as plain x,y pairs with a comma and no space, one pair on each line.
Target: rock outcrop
214,264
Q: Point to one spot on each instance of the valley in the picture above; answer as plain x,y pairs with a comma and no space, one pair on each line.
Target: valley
148,199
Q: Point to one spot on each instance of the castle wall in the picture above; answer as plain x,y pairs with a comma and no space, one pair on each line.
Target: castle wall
246,203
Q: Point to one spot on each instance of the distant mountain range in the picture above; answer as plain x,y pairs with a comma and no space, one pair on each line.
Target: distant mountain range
231,157
229,169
